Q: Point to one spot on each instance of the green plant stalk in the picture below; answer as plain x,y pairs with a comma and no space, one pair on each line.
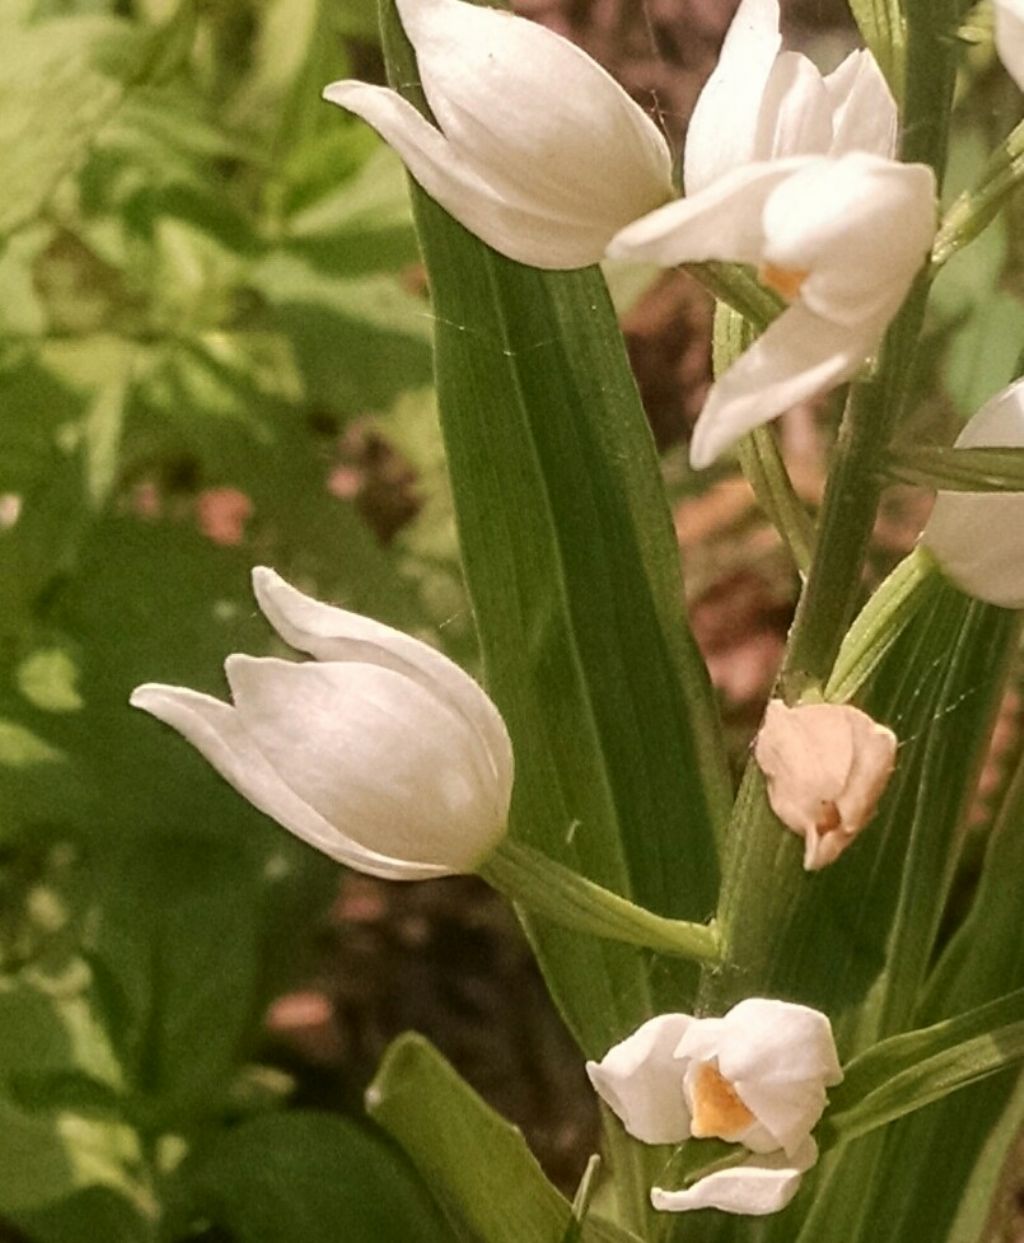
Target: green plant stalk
540,885
758,453
762,879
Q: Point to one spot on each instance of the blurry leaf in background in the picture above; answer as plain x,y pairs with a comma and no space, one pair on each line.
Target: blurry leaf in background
358,342
48,1150
47,679
307,1177
176,953
56,90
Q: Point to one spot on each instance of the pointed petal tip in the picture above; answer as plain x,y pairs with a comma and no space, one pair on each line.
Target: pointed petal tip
339,92
145,696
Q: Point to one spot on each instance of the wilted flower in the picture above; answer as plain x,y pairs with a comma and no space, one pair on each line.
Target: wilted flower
538,152
826,766
755,1077
978,537
1010,37
380,752
792,172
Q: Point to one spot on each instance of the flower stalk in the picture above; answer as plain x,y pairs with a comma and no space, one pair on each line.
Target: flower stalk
546,888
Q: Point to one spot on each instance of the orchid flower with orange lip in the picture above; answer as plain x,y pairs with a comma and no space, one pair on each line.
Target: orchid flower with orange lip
755,1077
792,172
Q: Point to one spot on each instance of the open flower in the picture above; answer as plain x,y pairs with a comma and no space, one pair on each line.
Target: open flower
755,1077
976,537
380,752
826,766
791,172
536,150
1010,37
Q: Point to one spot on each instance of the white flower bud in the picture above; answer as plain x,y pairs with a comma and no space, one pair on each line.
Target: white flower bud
539,151
826,767
1010,37
380,752
978,537
755,1077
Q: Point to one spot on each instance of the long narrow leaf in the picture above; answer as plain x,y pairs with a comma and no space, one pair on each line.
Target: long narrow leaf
573,573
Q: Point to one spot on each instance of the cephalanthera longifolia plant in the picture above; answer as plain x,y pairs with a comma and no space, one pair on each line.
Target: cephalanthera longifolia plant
804,1038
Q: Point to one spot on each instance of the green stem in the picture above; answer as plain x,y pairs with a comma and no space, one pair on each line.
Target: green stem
975,209
544,887
852,493
758,453
762,465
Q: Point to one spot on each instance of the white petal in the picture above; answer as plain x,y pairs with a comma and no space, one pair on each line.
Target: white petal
1010,37
796,111
330,633
526,232
762,1185
376,754
976,536
860,225
535,115
641,1080
779,1058
723,129
540,152
865,115
722,222
215,730
799,357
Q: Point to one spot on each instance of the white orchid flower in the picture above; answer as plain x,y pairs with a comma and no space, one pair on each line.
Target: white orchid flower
755,1077
826,767
380,752
1009,34
978,537
537,150
791,171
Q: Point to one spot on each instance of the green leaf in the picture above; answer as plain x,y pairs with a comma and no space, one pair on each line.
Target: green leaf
47,678
983,353
476,1164
944,1143
572,569
41,138
358,343
48,1150
958,470
882,27
86,1216
177,957
905,1073
303,1177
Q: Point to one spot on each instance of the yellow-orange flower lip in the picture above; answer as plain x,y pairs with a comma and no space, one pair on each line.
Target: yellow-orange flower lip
718,1111
785,281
